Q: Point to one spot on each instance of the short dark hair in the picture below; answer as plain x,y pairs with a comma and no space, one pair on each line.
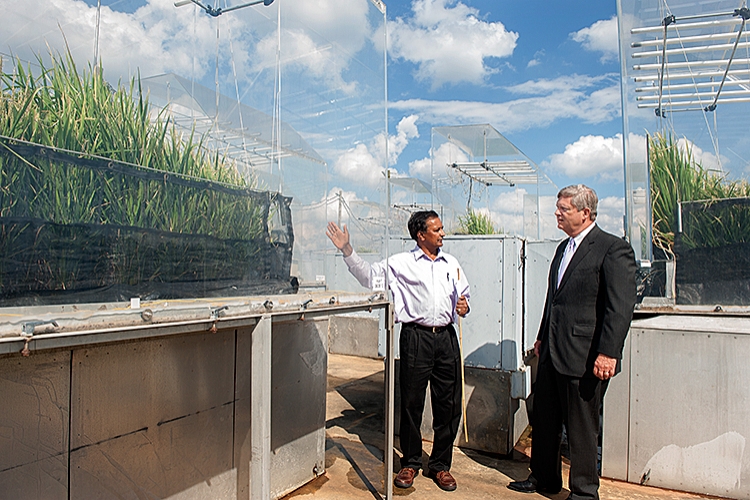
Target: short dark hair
418,222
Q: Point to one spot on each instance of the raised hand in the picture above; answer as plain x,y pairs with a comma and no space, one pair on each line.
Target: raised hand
340,238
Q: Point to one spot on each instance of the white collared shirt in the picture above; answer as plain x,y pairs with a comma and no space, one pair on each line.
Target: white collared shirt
580,236
425,291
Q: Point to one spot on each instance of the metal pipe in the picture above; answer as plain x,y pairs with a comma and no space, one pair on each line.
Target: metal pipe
693,103
705,24
696,85
709,95
691,76
687,39
689,50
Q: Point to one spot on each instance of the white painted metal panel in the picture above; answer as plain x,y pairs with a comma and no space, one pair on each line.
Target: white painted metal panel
483,260
689,418
539,256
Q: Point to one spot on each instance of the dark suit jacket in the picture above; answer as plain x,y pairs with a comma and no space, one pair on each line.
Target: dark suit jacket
590,312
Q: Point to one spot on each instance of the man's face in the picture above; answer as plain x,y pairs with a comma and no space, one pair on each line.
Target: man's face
571,220
432,237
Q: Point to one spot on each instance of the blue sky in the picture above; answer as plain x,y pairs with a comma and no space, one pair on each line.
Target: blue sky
552,86
544,74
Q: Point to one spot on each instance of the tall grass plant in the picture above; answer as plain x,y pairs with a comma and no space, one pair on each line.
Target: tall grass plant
476,223
76,151
676,177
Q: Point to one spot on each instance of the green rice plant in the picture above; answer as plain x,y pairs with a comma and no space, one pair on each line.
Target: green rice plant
676,177
75,111
475,223
130,168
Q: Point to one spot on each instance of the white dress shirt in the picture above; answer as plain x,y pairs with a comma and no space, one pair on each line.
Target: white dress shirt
425,291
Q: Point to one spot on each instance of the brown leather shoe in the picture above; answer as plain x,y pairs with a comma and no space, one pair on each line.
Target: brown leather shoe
405,477
443,479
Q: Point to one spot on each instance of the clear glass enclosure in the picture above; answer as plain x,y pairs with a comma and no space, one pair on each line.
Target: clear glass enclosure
475,163
686,102
215,177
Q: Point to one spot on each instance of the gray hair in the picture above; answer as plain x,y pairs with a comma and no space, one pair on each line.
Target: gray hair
581,197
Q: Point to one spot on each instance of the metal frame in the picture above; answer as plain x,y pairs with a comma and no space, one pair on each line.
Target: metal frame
298,308
716,60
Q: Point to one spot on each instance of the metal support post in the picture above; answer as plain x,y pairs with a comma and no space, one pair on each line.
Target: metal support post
260,424
390,387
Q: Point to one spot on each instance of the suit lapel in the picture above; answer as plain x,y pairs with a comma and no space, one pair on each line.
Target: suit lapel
583,250
556,261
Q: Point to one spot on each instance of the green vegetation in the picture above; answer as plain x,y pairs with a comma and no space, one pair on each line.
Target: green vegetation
722,216
97,189
475,223
65,109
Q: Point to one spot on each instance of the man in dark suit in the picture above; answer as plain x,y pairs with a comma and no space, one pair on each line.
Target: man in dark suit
591,293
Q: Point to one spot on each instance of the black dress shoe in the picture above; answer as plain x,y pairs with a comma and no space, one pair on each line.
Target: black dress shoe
524,486
530,486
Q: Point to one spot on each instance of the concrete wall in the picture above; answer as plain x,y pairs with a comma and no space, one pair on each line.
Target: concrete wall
354,335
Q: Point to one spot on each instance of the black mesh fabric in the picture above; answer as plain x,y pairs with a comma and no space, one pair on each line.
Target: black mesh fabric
712,254
49,257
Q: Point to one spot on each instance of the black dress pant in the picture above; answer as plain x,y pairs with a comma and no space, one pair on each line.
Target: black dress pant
433,357
576,402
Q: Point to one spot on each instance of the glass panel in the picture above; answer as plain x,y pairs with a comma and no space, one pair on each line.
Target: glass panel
210,181
686,98
472,164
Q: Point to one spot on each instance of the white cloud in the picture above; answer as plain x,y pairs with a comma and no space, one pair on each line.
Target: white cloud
155,38
364,163
333,31
359,164
445,154
589,99
310,223
590,156
610,213
537,59
405,130
707,160
601,37
448,42
320,38
507,211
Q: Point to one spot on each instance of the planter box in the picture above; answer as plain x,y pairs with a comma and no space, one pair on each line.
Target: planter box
47,263
717,275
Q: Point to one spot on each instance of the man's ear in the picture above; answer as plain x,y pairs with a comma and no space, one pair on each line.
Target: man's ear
587,213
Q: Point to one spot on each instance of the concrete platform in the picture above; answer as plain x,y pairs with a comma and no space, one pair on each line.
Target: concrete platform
355,441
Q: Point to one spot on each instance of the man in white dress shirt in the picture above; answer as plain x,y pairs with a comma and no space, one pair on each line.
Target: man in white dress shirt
429,291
